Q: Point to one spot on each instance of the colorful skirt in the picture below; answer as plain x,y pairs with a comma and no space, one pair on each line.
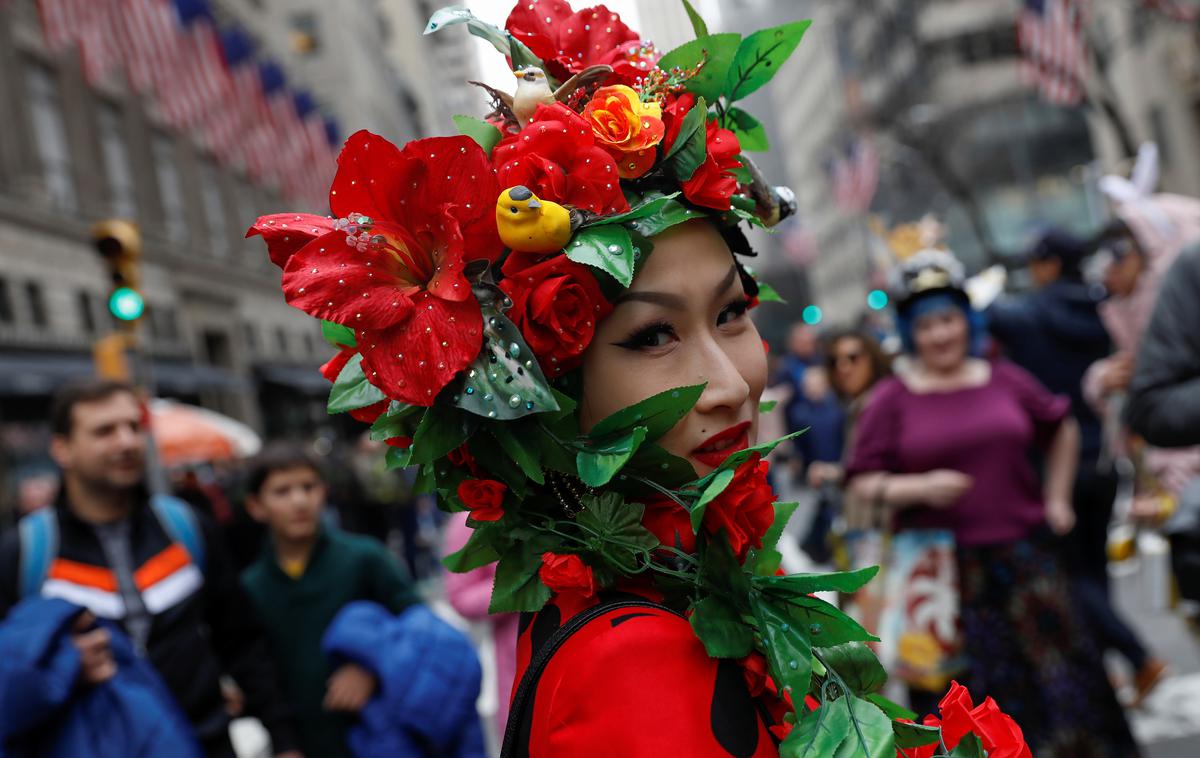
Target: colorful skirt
1029,650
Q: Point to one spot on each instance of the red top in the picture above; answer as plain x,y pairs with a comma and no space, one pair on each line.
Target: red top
637,682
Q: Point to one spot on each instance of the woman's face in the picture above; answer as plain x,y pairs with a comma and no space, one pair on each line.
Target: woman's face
941,338
851,366
1122,273
682,322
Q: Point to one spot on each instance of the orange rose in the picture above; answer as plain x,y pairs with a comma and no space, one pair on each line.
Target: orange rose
626,128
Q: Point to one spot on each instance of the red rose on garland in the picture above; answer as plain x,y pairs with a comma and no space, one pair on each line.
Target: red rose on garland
670,523
557,157
391,266
567,574
745,510
484,498
557,304
713,183
999,733
569,41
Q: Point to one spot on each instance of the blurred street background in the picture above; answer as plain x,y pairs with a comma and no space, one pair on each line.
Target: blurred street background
976,123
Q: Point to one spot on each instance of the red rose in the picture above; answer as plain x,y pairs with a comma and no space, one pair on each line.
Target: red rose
746,509
566,574
557,157
556,305
1000,735
670,523
460,457
484,498
712,185
568,41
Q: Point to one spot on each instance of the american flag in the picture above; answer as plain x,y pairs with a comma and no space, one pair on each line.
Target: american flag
90,25
1051,36
1187,11
855,175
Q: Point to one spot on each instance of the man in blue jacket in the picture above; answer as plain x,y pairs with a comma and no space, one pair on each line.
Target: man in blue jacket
149,565
1055,333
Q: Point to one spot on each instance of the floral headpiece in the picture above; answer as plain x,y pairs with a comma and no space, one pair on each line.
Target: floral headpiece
462,279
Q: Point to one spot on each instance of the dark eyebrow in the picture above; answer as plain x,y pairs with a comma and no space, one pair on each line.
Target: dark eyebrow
673,301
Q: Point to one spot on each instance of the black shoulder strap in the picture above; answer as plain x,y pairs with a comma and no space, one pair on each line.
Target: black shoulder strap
516,731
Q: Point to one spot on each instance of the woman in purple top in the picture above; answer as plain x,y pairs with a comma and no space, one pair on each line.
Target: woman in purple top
948,443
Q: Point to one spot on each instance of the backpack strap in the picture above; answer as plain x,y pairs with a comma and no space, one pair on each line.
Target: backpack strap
38,534
516,737
181,525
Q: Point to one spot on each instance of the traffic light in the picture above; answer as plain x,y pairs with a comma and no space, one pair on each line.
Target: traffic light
877,300
812,315
120,246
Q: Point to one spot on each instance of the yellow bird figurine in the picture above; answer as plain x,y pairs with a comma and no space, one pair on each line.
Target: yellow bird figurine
531,225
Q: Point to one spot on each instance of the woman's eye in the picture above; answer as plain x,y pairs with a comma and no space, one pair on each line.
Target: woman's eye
658,335
733,311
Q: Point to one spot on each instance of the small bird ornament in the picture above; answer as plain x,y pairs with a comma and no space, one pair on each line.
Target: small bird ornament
530,225
533,89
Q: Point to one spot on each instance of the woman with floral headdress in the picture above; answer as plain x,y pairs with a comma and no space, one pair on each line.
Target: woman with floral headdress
946,444
549,318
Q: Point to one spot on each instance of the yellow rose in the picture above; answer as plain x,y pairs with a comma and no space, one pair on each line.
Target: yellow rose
626,128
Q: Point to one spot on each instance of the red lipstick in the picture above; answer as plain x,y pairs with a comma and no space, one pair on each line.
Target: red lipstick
714,450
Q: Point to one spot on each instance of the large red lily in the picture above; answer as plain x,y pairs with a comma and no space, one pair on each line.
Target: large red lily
391,265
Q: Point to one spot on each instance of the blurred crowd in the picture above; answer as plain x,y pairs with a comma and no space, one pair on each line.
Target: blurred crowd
995,456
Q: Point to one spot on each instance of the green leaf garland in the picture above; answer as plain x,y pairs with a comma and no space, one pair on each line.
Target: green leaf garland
759,56
716,51
608,248
338,335
752,135
481,131
351,390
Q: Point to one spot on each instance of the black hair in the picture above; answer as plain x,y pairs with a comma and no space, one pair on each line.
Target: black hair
275,457
90,390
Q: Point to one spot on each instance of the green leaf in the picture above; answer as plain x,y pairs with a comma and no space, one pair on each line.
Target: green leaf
763,449
442,429
672,213
716,50
698,25
480,549
481,131
396,457
608,248
789,652
720,627
658,413
517,587
616,530
968,747
767,406
759,56
824,624
690,147
818,734
505,381
767,294
752,135
807,584
338,335
652,462
856,665
767,560
500,39
915,735
398,420
600,463
870,731
351,390
484,447
516,447
892,710
742,174
650,204
714,489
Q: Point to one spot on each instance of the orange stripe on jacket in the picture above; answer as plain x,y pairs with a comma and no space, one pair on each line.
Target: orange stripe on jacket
82,574
161,566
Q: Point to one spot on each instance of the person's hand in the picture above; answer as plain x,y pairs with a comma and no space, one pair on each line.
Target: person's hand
96,663
349,689
1060,516
1117,375
235,699
943,487
821,473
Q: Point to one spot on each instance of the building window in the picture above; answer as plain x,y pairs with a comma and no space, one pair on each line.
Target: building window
87,312
116,162
281,340
310,346
251,337
6,307
169,188
50,133
168,321
37,303
214,210
303,34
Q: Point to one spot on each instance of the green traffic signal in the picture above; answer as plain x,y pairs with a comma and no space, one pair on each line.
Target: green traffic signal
812,315
877,300
126,304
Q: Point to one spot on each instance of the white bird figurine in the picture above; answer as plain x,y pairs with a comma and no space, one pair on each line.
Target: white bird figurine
533,89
